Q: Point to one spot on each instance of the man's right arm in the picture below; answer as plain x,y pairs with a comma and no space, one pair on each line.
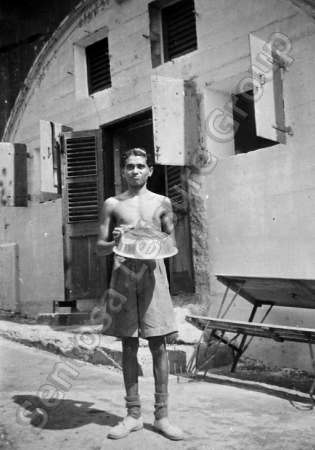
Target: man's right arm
104,246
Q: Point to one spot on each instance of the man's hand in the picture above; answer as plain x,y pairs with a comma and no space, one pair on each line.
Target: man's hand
118,232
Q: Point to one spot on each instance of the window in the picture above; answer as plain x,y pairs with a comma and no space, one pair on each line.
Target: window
246,138
179,29
258,114
98,66
92,63
247,113
172,30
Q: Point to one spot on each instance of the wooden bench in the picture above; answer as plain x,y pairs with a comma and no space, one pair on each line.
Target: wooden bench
259,292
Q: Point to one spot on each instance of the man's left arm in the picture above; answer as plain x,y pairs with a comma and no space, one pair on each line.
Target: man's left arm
167,218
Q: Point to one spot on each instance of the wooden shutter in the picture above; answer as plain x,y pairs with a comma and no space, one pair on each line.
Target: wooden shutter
175,120
181,265
268,91
50,159
175,189
13,174
179,29
82,202
98,66
82,157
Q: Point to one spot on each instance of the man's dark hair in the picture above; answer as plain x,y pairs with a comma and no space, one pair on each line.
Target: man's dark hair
136,152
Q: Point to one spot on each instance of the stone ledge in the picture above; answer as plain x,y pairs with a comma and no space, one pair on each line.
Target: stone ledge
86,343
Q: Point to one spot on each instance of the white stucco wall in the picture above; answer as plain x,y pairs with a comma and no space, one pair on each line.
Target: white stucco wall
36,230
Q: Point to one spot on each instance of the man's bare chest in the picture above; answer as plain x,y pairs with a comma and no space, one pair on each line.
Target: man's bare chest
133,211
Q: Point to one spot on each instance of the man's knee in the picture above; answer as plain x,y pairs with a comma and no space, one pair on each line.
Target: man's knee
130,345
157,344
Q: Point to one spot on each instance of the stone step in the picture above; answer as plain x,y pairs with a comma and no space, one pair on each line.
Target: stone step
85,342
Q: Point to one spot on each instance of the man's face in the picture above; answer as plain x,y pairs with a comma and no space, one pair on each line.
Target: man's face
136,171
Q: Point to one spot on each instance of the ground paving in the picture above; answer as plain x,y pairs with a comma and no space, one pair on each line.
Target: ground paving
89,400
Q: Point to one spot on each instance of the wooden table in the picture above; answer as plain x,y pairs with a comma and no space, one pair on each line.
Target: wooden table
270,292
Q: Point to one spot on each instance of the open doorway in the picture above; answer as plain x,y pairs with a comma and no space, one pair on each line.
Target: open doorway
128,133
137,131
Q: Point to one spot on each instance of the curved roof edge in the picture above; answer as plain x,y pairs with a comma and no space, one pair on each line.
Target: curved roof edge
307,6
42,59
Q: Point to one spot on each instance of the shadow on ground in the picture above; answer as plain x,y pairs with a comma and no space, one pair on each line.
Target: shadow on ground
63,414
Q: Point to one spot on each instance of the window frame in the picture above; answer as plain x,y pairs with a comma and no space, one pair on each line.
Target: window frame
80,63
158,33
88,58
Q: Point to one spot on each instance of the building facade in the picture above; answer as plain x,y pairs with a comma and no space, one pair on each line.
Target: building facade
221,94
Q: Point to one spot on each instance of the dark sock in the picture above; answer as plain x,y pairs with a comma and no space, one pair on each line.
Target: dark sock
133,406
160,406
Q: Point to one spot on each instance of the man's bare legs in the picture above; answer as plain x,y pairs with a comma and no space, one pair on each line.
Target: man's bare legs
157,346
160,372
133,421
130,371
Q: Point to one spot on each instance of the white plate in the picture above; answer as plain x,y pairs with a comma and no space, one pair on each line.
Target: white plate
125,255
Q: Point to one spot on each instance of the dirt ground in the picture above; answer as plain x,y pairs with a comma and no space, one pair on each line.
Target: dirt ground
214,415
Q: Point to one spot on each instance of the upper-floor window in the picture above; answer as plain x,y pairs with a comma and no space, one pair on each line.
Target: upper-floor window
172,29
92,71
246,138
98,66
179,29
250,114
258,113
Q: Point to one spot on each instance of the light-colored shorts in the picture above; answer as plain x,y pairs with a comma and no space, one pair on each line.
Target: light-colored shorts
138,303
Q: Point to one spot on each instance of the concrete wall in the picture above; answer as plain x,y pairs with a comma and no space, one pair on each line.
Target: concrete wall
252,213
37,232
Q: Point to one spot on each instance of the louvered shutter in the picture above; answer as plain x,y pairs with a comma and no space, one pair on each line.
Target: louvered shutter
175,189
82,184
82,202
179,29
98,66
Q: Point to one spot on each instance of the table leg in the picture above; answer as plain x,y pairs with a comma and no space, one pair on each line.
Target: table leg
241,349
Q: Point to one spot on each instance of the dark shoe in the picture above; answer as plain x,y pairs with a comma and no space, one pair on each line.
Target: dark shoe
168,430
125,427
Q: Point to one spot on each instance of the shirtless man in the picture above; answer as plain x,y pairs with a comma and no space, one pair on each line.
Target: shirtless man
139,295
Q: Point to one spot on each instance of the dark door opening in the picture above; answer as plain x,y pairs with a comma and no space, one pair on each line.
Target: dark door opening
137,131
129,133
